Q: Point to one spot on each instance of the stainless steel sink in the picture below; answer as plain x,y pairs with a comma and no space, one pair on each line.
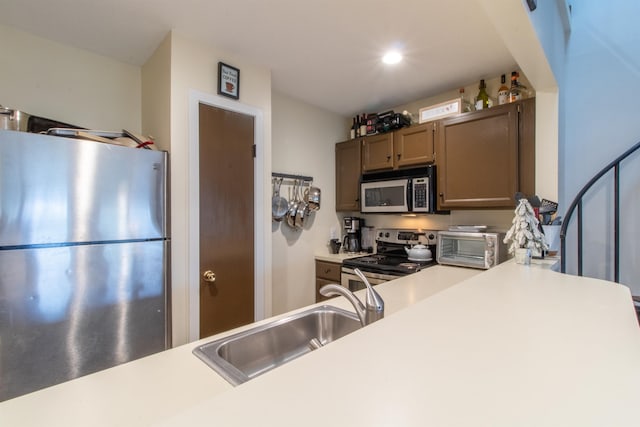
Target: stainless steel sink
245,355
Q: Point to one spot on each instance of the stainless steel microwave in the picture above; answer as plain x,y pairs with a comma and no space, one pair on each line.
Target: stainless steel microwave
406,191
469,249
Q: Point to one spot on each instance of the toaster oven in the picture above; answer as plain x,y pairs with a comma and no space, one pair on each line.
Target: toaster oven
471,249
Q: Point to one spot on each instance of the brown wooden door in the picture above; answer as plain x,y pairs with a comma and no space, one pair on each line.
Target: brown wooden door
414,145
348,160
377,152
226,219
477,158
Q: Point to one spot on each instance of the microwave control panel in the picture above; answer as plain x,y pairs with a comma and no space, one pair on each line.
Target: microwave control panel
420,194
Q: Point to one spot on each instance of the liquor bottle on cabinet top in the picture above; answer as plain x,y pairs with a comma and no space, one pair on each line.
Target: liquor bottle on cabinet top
363,125
352,131
482,100
515,93
465,103
503,92
357,119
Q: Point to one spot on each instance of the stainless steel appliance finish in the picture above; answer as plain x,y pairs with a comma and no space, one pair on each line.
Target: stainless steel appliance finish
13,119
372,311
391,260
350,280
351,241
84,250
471,249
245,355
409,190
367,239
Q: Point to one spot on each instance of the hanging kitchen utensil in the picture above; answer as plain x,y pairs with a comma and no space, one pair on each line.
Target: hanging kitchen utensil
279,205
301,213
312,197
7,121
293,206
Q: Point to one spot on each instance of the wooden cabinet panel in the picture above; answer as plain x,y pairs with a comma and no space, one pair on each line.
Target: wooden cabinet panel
348,163
328,270
527,147
414,145
326,273
377,152
477,155
484,157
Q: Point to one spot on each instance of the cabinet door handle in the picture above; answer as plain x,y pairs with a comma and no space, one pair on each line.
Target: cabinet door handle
327,271
388,158
399,155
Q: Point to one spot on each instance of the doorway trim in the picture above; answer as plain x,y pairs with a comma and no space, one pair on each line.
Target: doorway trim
262,277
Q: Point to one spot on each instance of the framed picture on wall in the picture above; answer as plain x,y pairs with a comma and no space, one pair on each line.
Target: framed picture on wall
228,80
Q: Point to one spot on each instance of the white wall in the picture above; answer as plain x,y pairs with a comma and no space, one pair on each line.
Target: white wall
59,82
600,98
304,140
156,95
595,58
194,68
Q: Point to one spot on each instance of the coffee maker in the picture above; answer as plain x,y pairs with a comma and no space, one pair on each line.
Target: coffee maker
351,241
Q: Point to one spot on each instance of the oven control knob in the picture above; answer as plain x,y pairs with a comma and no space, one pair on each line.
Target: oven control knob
489,244
431,236
381,234
386,234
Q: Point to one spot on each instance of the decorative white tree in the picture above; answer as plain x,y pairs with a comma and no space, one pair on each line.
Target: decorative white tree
524,231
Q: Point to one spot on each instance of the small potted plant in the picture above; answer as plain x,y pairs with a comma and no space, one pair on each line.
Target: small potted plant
524,237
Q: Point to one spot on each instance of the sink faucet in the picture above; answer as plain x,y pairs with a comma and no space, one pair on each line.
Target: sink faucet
375,305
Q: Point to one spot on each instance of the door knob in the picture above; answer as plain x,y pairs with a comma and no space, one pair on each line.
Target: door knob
209,276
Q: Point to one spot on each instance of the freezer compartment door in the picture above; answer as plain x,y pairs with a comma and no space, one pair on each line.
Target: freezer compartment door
70,311
56,190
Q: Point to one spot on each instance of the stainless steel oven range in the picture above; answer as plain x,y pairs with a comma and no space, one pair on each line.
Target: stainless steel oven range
392,257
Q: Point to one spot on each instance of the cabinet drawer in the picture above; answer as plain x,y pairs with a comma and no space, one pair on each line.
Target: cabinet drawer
328,270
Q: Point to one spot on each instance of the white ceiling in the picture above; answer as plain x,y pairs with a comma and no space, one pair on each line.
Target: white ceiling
325,52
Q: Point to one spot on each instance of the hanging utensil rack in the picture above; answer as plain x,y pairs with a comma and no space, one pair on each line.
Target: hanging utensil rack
291,176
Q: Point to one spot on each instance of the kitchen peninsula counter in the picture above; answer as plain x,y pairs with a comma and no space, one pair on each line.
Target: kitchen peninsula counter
512,346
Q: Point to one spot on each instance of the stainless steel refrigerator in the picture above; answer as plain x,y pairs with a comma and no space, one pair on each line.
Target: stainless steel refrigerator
84,256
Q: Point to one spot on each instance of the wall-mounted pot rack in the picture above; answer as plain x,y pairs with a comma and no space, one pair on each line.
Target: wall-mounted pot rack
291,176
299,205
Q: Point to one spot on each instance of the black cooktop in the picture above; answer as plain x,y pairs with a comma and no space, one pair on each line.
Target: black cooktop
385,263
391,257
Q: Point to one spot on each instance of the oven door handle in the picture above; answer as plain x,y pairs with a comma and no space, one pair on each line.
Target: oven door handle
370,275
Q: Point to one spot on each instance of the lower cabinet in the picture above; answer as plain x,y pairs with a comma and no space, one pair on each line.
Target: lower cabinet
326,273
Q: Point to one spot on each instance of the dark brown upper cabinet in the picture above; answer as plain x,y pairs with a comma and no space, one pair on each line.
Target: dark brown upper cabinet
485,157
377,152
348,164
410,146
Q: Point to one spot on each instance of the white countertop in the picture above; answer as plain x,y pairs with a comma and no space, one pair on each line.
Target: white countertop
338,258
513,346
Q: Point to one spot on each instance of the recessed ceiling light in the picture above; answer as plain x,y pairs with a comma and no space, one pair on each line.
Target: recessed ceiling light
392,57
